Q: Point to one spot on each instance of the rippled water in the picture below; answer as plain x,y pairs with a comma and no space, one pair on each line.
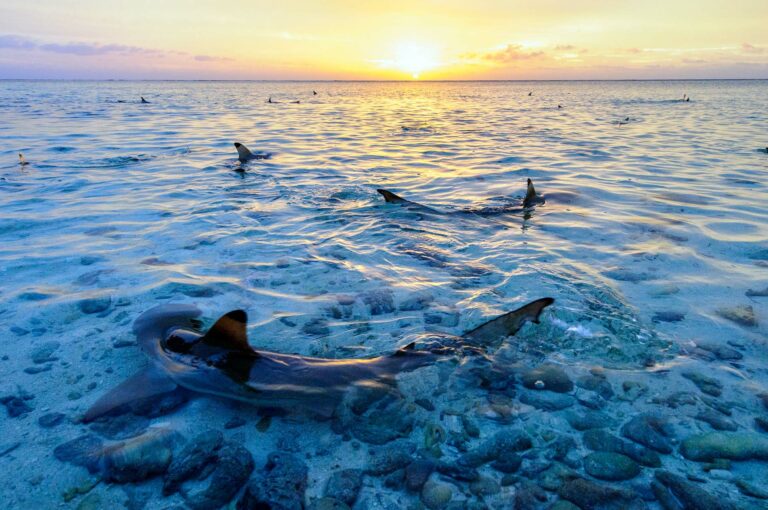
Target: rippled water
655,218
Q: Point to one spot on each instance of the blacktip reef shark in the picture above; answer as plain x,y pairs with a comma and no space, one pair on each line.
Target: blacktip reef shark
245,155
222,363
531,199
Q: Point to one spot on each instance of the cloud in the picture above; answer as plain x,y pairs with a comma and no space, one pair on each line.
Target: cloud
565,47
89,49
751,48
506,55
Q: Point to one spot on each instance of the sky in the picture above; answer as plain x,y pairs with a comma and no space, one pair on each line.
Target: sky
383,40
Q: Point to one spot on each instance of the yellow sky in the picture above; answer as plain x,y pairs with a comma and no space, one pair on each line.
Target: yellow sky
396,39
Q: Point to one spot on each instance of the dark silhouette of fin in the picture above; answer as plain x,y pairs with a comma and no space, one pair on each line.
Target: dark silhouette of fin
390,197
144,101
243,153
229,333
494,331
402,351
148,383
531,198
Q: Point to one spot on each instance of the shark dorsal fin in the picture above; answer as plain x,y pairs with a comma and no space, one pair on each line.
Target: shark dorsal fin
530,195
403,350
390,197
494,331
229,332
243,153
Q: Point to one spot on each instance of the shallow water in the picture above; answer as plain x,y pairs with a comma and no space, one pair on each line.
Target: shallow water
651,225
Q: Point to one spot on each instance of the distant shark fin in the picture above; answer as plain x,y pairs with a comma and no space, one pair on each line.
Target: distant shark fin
149,382
390,197
404,350
494,331
230,333
531,198
243,154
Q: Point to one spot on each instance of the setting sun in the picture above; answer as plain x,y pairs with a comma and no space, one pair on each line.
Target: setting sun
415,59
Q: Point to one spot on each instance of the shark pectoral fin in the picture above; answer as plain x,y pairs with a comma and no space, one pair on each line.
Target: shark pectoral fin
230,333
390,197
493,331
147,383
530,195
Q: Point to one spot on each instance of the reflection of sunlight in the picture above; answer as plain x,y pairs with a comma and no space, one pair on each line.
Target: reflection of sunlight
414,59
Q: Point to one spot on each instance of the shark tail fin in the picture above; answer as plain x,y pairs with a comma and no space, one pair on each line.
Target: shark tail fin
530,195
243,153
147,383
390,197
494,331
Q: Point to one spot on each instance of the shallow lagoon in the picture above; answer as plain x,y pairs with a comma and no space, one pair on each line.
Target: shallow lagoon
653,234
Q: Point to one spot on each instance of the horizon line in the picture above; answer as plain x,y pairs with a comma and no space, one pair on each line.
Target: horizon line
377,81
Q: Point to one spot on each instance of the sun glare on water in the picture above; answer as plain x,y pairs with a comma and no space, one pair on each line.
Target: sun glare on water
415,59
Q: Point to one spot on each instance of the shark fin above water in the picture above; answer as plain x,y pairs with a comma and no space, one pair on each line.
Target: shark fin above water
531,198
390,197
494,331
402,351
149,382
229,332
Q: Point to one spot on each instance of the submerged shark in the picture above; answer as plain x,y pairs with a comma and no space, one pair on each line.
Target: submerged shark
221,362
531,199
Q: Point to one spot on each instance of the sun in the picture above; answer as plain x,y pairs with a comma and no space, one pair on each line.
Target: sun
414,58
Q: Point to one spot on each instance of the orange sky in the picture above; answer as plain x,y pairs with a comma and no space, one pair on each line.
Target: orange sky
396,39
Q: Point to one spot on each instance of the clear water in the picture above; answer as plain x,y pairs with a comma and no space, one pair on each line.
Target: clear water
142,204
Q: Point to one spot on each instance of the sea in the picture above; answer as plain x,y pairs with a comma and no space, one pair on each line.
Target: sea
651,236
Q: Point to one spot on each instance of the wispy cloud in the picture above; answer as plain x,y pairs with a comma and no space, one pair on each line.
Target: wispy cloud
90,49
751,48
506,55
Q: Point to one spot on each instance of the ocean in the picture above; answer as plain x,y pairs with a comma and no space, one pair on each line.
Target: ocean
652,239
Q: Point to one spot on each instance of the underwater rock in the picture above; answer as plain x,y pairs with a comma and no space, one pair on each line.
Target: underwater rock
484,486
317,327
597,384
436,495
94,305
50,420
648,430
552,478
757,293
588,420
725,445
234,422
280,487
344,485
197,454
754,491
716,420
668,316
43,353
417,473
82,451
386,421
445,319
553,378
138,458
418,301
632,390
610,466
602,441
722,352
391,457
742,315
233,465
689,496
588,495
706,384
503,443
457,472
547,400
328,504
379,301
16,405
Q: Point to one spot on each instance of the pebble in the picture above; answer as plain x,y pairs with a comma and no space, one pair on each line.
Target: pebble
197,454
281,486
588,495
600,440
503,443
317,327
552,376
668,316
436,495
43,353
725,445
706,384
344,485
16,405
647,430
743,315
547,400
83,451
233,466
94,305
50,420
138,458
597,384
418,301
752,490
716,420
588,420
484,486
391,457
690,495
234,422
379,301
722,352
327,504
417,473
610,466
